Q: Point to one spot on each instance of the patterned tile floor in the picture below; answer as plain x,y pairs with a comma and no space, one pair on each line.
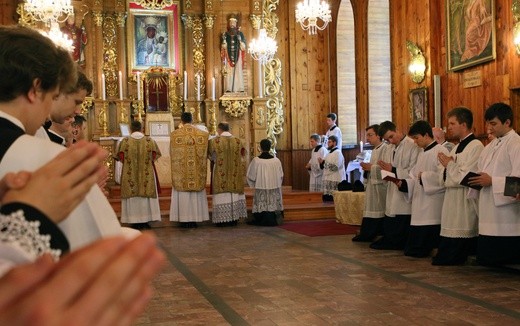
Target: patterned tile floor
250,275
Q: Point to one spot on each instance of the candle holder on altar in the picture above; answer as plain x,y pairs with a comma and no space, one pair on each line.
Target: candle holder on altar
139,108
123,116
103,120
211,108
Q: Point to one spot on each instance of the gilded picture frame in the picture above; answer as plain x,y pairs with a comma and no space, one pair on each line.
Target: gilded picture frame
153,38
471,34
418,98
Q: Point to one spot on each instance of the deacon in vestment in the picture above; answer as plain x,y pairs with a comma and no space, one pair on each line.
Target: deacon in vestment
333,129
397,211
313,166
265,175
425,224
375,187
189,155
499,215
459,222
25,102
139,199
229,200
333,166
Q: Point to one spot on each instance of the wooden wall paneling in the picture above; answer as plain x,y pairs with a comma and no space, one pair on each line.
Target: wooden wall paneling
8,15
285,157
300,176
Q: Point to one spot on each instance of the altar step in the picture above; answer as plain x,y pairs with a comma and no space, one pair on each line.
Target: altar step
298,205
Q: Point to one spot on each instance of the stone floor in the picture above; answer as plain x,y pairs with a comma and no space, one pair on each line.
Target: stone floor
250,275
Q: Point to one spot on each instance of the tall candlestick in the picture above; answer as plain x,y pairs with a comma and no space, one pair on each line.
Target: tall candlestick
198,88
138,85
213,88
103,94
120,85
185,85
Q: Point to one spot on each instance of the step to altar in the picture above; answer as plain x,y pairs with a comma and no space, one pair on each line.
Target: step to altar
298,205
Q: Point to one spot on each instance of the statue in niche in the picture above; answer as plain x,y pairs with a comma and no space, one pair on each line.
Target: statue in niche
232,52
78,35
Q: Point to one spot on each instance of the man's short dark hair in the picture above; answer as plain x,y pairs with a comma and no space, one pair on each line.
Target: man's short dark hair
83,83
26,56
135,126
384,127
78,120
374,127
462,115
422,128
265,145
332,116
501,111
224,126
334,139
186,117
316,137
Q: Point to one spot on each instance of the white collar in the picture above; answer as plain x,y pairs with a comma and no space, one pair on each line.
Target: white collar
137,135
225,134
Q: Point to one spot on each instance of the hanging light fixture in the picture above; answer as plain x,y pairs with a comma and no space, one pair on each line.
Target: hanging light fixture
310,12
49,11
58,37
263,48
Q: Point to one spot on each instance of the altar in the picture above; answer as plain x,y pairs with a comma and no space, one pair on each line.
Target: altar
349,207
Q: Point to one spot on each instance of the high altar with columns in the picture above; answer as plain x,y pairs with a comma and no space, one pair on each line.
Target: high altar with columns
153,80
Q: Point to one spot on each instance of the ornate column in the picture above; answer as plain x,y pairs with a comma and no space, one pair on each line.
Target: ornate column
211,102
97,16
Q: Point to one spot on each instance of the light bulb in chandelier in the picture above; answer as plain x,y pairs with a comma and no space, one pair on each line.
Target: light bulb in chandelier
309,13
49,11
60,39
263,48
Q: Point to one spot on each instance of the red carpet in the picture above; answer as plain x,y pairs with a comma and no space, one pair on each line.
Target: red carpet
320,228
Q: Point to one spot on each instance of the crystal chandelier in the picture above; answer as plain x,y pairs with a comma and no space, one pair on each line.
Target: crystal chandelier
60,39
49,11
263,48
308,12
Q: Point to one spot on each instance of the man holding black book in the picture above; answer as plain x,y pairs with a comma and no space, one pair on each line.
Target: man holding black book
499,215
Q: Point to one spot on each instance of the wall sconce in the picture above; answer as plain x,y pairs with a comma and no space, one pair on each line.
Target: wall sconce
417,66
516,28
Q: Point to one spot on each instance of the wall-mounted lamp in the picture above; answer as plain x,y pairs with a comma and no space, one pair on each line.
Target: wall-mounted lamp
516,28
417,66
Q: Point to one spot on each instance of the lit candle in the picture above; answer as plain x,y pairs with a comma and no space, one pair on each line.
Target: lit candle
185,85
120,85
138,85
361,146
213,88
103,94
198,88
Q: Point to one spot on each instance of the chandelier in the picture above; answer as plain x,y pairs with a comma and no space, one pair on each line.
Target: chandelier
263,48
60,39
49,11
308,12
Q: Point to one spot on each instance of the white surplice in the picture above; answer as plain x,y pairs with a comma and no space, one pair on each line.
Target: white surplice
499,215
404,159
333,171
334,131
266,176
375,191
426,200
316,173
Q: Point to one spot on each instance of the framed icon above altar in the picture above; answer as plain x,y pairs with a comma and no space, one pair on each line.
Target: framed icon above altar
153,37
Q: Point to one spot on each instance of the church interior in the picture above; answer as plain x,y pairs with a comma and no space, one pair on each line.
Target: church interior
376,60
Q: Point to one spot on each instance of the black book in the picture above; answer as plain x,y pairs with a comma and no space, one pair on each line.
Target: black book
512,186
465,180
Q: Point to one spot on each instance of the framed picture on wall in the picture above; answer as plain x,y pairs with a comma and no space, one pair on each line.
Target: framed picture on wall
418,104
153,37
470,32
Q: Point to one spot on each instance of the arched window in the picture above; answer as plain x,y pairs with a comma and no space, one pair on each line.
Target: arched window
346,73
379,75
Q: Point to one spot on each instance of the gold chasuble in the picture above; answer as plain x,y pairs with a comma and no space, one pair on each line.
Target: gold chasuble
228,172
137,177
188,152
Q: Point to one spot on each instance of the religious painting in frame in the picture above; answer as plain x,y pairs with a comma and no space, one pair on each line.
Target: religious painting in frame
470,33
418,98
153,37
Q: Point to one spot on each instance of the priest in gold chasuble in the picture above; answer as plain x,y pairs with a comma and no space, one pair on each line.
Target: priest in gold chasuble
188,152
139,200
229,201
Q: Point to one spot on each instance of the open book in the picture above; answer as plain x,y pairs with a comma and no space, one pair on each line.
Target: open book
389,176
465,180
512,186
